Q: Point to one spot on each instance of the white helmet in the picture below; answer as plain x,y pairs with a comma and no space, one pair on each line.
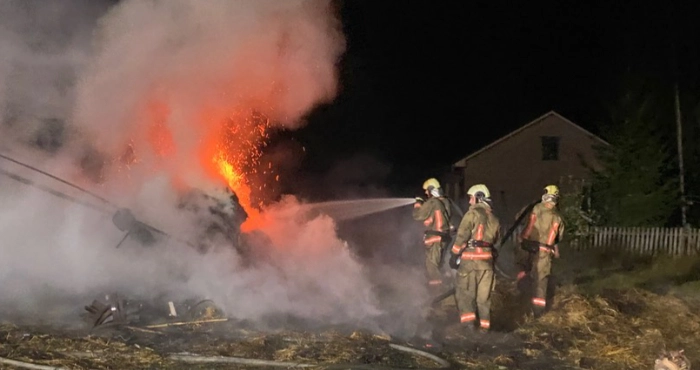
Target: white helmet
480,192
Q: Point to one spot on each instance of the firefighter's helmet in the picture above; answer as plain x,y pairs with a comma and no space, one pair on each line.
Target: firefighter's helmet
432,187
430,184
551,190
551,194
480,192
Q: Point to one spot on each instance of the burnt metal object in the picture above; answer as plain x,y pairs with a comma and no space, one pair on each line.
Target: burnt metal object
204,309
124,220
101,313
114,310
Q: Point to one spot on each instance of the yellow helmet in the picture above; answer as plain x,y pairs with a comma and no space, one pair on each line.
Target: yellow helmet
551,190
479,188
431,182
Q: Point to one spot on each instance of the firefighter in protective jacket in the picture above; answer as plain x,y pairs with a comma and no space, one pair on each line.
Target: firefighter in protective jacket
472,255
435,215
540,238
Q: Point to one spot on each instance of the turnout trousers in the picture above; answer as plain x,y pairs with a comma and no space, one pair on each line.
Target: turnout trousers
473,289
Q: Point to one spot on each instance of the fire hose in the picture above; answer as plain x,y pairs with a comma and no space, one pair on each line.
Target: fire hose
500,243
190,358
200,359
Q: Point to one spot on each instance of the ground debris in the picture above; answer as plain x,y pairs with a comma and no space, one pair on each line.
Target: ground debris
73,352
77,351
614,330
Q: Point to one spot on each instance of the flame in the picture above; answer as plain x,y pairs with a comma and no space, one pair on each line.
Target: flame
236,182
229,149
234,148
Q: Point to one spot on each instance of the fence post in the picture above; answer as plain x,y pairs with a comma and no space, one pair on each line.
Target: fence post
672,243
638,240
650,241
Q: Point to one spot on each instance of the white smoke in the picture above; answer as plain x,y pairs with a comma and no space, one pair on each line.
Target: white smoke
43,48
203,60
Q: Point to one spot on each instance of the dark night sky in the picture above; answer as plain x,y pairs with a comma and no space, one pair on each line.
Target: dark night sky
428,82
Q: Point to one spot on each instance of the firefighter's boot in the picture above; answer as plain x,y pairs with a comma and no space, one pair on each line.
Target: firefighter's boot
537,311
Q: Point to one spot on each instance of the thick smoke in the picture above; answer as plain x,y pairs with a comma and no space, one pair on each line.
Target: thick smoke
154,80
171,71
44,47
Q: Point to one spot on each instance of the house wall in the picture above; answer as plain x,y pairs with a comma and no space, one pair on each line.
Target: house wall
514,170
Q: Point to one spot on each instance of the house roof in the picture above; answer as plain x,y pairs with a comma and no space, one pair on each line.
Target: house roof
462,162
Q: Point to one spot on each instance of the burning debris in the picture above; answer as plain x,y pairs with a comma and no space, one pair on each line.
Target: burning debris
115,310
218,220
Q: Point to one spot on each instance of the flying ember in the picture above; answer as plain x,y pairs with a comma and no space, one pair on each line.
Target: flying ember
235,151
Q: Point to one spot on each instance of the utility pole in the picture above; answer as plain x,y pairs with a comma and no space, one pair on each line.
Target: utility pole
679,140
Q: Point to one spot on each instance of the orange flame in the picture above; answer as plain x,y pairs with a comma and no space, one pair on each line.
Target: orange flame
236,182
229,153
234,149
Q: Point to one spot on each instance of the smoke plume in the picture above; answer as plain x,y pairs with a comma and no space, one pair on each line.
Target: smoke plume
136,100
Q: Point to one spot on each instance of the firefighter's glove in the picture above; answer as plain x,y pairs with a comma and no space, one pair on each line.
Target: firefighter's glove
454,261
420,200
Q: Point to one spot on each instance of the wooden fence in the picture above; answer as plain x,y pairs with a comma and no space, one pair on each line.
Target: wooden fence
642,240
637,240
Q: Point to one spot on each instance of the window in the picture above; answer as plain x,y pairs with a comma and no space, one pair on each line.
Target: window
550,148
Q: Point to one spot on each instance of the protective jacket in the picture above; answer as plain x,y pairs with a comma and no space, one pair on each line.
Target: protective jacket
476,234
435,215
544,226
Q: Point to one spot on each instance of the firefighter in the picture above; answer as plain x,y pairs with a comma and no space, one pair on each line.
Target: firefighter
472,255
435,214
540,237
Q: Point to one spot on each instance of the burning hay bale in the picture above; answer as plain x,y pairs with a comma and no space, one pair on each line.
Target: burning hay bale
216,218
614,330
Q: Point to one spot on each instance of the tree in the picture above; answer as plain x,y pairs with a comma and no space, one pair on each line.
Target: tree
637,185
692,152
574,205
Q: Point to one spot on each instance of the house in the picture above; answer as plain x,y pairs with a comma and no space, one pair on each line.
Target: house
548,150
